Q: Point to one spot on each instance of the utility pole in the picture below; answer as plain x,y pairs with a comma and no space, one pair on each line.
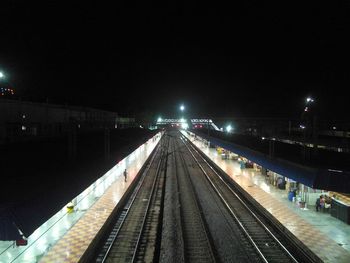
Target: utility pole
72,141
271,148
315,136
208,132
107,143
289,127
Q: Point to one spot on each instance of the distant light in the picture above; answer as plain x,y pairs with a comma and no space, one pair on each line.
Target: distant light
337,171
159,119
228,128
306,108
263,138
334,128
309,99
1,75
23,116
182,107
302,126
184,126
24,128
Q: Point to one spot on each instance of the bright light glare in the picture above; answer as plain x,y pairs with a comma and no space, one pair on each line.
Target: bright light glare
228,128
308,99
182,107
1,75
184,126
159,119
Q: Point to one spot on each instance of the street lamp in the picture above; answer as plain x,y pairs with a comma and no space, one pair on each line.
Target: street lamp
2,75
182,107
308,125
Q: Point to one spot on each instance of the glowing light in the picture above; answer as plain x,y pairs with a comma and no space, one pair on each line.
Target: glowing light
182,107
309,99
1,75
159,119
228,128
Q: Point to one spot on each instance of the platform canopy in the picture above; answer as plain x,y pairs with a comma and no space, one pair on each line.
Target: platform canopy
317,178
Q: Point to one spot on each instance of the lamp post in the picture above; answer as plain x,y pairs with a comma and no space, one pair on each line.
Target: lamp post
307,126
182,120
208,128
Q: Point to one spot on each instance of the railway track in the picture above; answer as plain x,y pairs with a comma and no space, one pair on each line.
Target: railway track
264,240
134,234
205,219
197,246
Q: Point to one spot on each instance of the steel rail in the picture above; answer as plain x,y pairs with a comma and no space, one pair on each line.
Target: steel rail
158,172
191,188
241,201
138,187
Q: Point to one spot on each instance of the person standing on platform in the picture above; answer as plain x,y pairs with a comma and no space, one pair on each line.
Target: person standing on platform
322,202
317,203
125,175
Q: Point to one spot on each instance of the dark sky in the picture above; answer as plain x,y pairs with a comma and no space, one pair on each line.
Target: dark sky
248,59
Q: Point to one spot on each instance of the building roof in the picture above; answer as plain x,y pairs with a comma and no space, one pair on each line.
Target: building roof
315,177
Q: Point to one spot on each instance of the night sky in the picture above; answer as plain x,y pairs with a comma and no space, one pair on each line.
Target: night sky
250,59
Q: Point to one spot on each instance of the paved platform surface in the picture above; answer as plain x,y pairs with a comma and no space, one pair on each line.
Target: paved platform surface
65,236
325,235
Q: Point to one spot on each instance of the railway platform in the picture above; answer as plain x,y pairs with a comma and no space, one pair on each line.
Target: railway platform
66,236
326,236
